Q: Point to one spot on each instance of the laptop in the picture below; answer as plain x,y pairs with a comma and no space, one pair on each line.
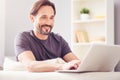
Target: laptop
99,58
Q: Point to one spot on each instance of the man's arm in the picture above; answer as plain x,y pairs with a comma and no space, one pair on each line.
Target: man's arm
69,57
72,61
27,58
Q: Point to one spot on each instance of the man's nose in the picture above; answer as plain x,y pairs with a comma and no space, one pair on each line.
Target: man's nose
48,22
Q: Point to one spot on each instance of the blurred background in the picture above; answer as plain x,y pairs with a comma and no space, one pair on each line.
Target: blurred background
14,18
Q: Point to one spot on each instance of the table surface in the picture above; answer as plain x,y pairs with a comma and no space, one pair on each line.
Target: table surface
24,75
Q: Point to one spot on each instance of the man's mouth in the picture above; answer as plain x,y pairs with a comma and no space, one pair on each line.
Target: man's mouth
46,29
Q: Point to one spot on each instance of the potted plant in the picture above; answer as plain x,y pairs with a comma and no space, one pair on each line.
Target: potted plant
84,13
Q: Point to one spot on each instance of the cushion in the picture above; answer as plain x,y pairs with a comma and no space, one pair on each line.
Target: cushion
10,64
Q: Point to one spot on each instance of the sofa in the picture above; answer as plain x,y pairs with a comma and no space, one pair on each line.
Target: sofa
24,75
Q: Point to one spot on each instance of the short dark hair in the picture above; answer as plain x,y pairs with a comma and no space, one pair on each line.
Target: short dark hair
37,5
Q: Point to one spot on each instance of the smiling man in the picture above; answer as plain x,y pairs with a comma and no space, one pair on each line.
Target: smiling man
37,49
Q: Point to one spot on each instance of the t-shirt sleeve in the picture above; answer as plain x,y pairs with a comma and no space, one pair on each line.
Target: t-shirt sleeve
21,43
65,47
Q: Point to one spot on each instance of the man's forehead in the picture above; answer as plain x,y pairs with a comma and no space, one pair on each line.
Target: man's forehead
46,10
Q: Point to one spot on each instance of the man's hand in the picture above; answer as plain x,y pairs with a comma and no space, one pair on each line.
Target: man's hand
74,64
56,60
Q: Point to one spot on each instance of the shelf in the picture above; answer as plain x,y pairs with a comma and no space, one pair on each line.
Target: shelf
88,21
81,44
97,29
87,44
83,0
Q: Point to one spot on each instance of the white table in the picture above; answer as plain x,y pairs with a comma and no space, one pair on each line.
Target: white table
24,75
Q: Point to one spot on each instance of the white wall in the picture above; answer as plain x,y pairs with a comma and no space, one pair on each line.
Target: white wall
17,20
63,18
2,31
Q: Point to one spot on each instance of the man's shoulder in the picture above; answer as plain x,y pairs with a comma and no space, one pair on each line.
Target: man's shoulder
28,32
56,36
24,34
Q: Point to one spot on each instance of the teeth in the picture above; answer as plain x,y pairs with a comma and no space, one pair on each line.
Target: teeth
46,29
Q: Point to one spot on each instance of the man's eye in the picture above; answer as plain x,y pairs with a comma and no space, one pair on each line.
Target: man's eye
43,17
52,18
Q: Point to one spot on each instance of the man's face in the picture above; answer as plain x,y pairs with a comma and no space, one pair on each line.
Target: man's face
44,20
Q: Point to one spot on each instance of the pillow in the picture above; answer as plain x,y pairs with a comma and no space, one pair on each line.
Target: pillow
10,64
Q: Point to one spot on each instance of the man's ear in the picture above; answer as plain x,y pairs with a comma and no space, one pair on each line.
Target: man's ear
32,18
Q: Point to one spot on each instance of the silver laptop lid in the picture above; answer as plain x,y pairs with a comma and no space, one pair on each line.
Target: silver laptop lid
100,57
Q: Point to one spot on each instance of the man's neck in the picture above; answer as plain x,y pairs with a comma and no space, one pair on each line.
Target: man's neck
40,36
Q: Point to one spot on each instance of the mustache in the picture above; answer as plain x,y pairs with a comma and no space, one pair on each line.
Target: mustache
45,25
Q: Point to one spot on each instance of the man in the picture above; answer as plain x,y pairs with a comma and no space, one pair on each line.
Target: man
38,48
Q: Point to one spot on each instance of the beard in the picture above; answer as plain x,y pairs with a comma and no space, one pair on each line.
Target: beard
44,29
